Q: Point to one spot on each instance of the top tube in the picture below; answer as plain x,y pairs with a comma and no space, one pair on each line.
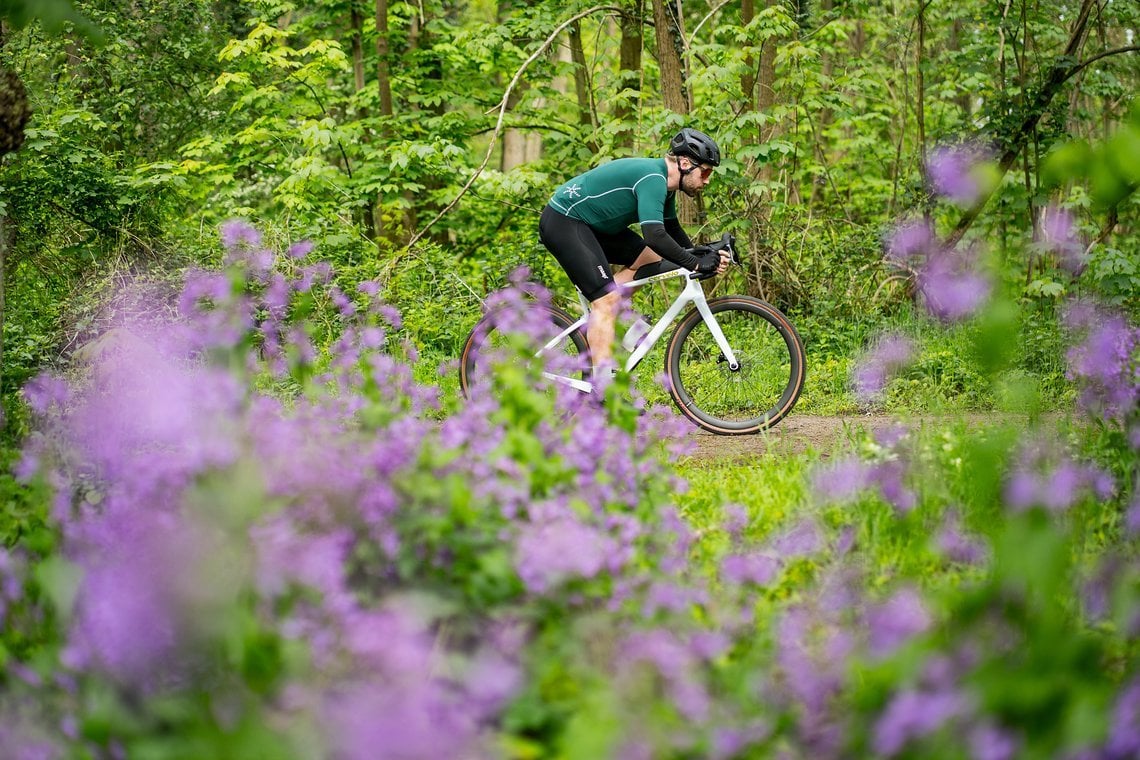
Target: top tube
658,270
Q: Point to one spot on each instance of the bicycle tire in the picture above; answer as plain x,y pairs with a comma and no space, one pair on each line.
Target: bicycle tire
487,332
754,397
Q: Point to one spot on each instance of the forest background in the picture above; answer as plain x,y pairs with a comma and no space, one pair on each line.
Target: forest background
417,142
950,590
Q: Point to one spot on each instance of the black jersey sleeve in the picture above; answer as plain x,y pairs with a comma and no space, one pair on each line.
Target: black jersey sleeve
677,232
662,243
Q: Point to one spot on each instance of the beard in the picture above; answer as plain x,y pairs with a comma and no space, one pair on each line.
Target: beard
688,189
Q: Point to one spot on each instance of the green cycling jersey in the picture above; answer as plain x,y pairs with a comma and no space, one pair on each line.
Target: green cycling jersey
617,194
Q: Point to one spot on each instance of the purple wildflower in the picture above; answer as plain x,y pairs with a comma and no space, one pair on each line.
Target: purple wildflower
676,663
126,626
842,480
46,391
563,549
952,287
1124,729
760,569
1103,361
490,682
914,714
1055,483
911,240
418,719
889,476
1059,234
895,621
956,545
736,519
802,540
988,742
891,353
1132,517
953,174
300,250
237,233
892,435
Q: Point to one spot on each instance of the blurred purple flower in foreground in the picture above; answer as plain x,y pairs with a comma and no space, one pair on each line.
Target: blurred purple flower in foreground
890,354
561,550
1059,234
914,714
951,281
910,240
1124,729
956,545
953,173
1132,517
893,622
842,480
1043,478
1104,361
951,285
988,742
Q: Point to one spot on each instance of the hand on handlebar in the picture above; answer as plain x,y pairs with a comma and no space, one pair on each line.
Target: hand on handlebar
714,258
712,262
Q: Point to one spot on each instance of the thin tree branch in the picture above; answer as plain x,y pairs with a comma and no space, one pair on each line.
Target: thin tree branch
503,111
709,15
1085,64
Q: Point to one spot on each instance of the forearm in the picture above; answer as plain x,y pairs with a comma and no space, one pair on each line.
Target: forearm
664,245
677,232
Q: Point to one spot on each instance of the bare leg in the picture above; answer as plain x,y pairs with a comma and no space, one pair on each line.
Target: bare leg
603,313
600,331
647,256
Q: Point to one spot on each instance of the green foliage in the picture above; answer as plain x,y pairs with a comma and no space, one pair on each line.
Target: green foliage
54,15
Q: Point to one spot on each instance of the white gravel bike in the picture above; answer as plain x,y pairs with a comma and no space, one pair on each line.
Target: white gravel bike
733,365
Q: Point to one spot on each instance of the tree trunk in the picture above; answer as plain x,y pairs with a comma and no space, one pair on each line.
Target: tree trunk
629,73
357,47
383,66
748,78
826,114
761,262
669,36
581,77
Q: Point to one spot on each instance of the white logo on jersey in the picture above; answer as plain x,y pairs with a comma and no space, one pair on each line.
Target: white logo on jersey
573,191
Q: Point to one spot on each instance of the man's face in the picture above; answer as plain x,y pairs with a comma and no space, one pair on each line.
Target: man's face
693,182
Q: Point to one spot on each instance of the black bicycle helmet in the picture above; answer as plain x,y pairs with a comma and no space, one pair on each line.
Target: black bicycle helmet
696,145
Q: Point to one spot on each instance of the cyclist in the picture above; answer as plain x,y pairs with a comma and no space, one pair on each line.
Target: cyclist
586,226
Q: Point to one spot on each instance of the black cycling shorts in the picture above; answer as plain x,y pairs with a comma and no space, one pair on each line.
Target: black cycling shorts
585,253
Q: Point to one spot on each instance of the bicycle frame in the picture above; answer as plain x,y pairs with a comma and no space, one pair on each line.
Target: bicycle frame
692,293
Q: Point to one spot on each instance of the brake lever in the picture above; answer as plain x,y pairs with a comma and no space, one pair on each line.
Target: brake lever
727,243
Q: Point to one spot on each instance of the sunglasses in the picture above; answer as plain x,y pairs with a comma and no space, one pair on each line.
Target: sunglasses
704,171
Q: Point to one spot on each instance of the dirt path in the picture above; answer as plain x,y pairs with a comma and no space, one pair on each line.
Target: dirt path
794,435
798,433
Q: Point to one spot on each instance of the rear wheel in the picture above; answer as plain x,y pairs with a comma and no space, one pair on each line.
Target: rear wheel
505,338
760,390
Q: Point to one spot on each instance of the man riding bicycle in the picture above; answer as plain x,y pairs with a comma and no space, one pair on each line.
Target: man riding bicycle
586,226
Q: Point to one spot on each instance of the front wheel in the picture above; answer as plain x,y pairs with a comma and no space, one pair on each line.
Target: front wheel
760,390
